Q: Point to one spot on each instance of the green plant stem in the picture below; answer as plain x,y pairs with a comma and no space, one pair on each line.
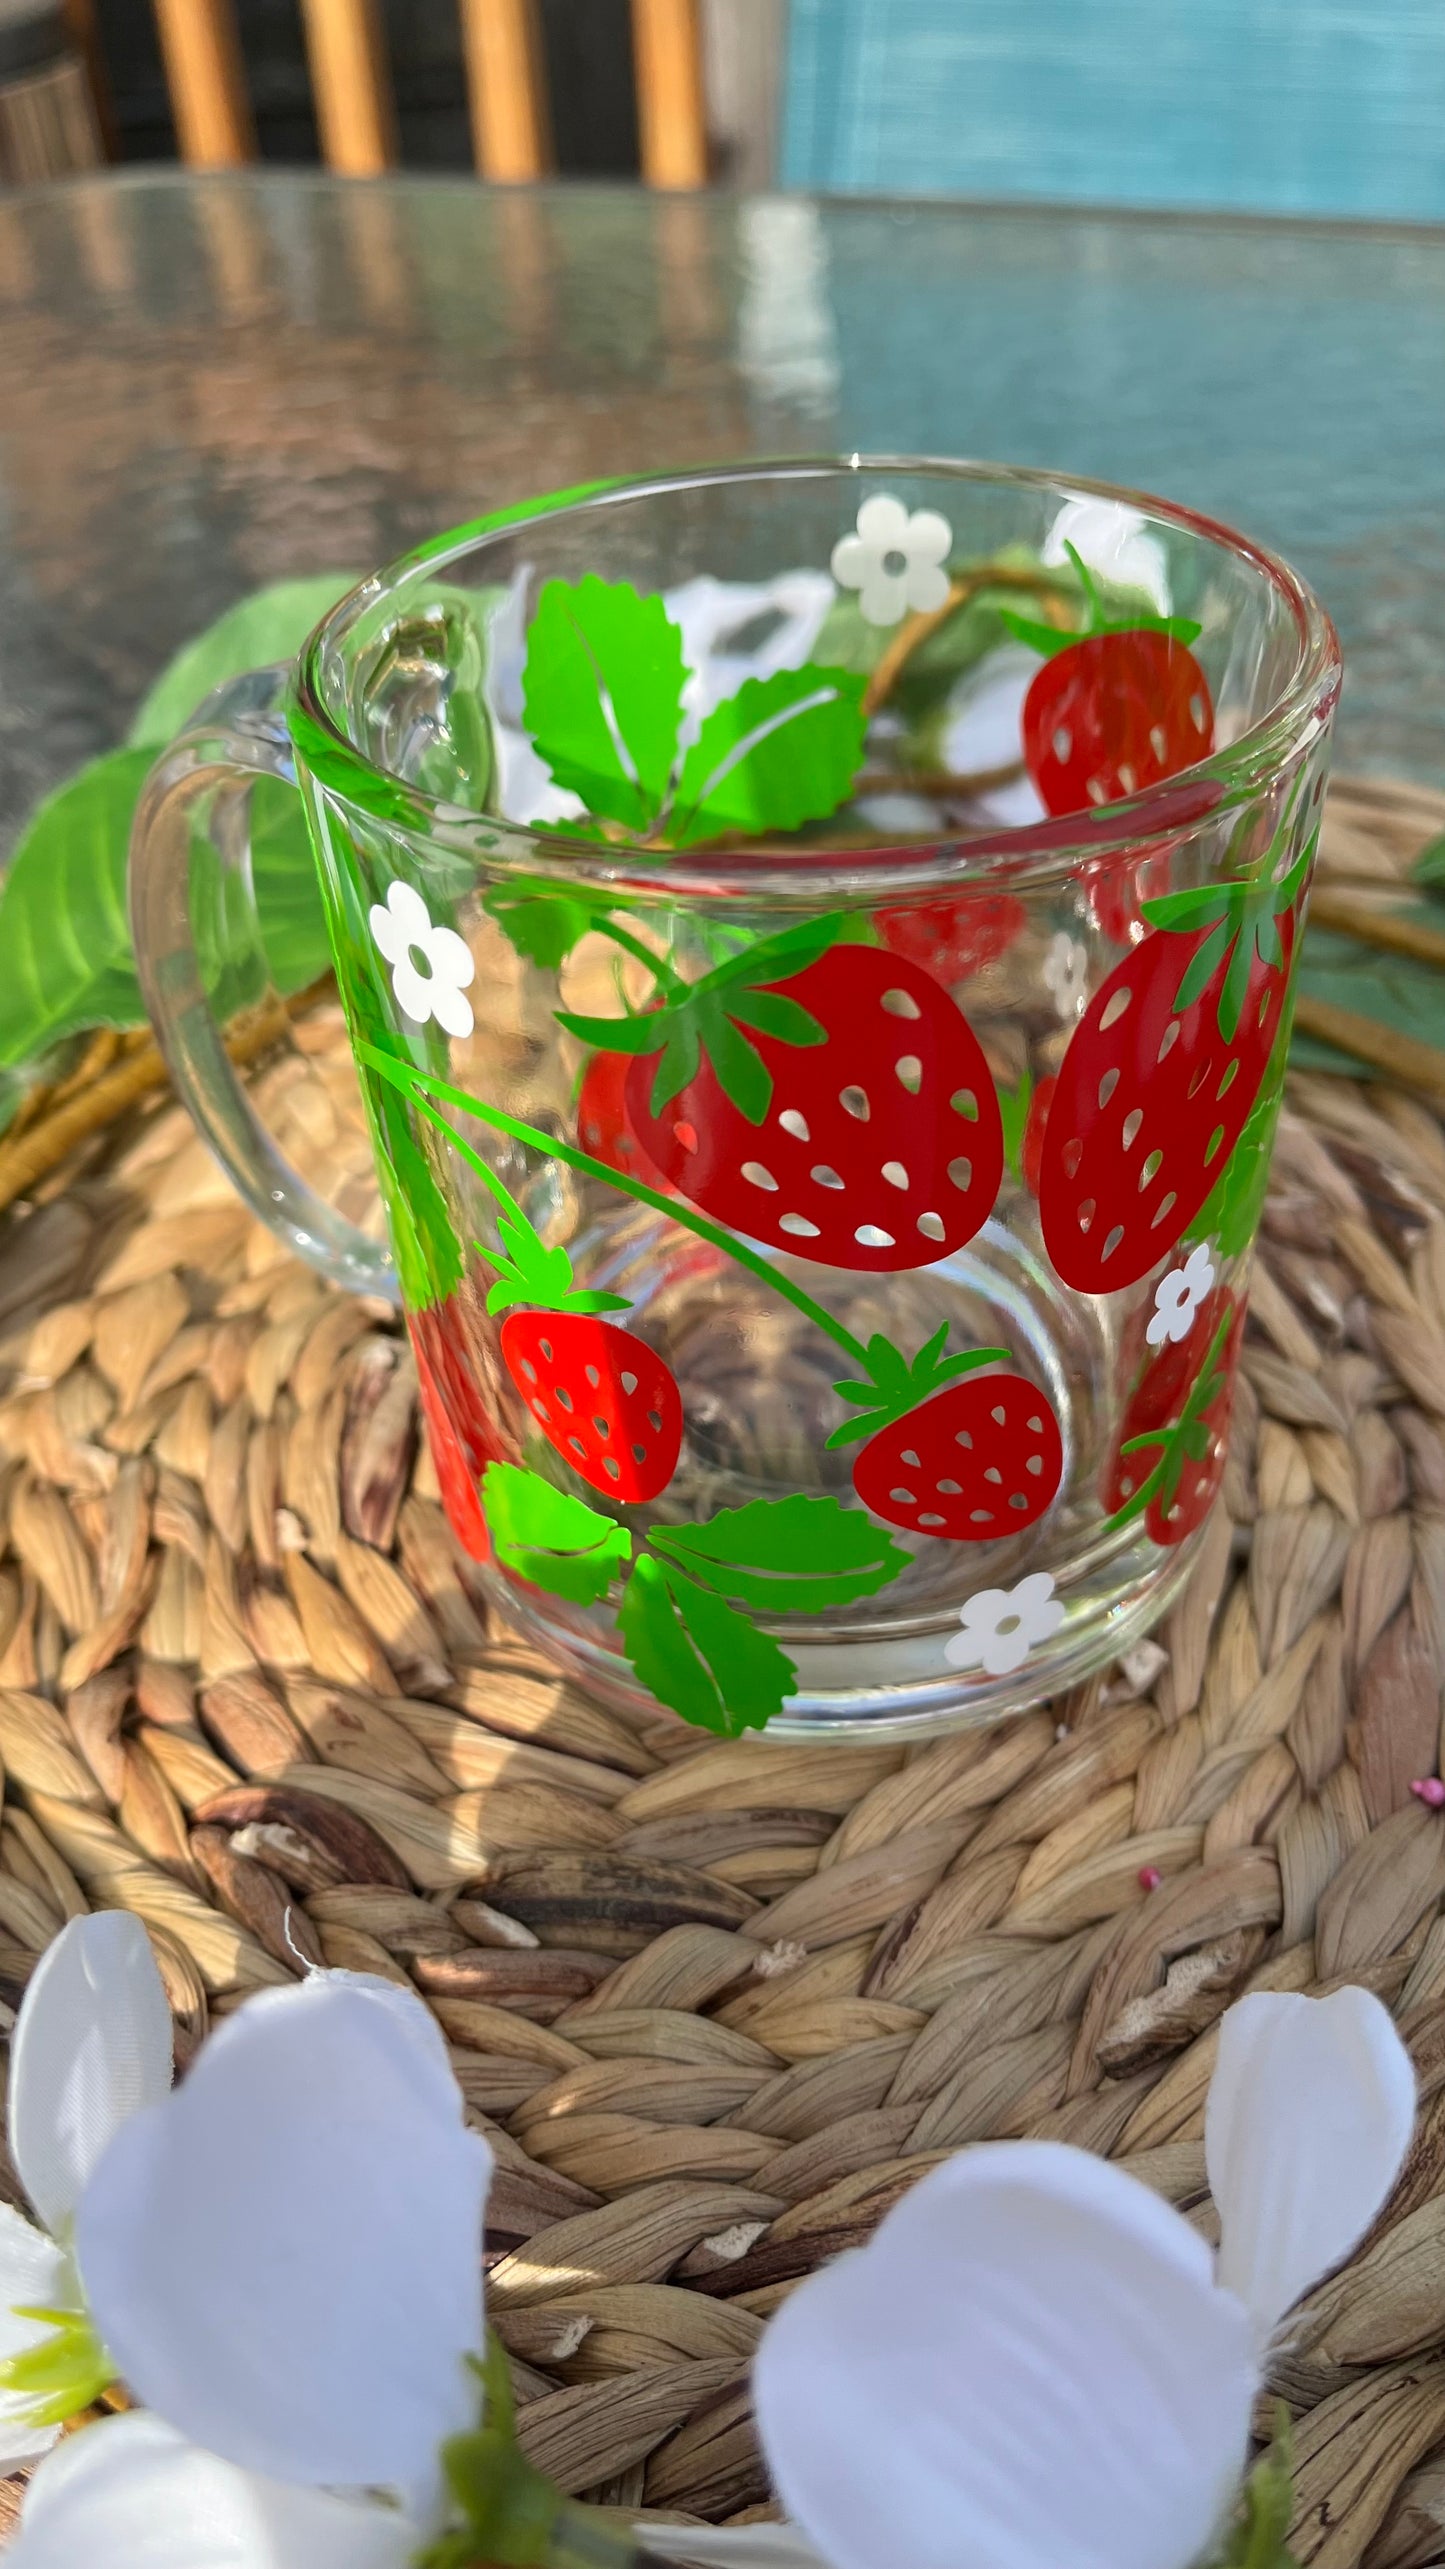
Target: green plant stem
414,1082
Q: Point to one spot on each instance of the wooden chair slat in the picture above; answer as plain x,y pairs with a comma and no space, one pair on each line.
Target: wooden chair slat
671,119
506,87
207,82
355,111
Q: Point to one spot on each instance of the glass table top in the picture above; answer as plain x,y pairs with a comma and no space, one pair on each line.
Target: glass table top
209,383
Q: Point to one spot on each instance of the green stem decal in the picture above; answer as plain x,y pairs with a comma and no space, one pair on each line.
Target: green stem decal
1185,1440
1050,639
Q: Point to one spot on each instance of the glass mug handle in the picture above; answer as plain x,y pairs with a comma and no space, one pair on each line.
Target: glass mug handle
199,792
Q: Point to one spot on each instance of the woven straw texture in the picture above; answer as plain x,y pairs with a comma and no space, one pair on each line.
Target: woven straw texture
719,2004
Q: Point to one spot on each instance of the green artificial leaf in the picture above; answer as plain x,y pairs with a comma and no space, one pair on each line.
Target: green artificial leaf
782,751
694,1653
64,933
269,626
543,925
288,893
788,1556
1013,1108
1395,990
602,691
1429,865
548,1537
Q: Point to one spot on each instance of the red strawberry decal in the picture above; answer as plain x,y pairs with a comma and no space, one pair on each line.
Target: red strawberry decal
969,1461
1161,1073
952,939
834,1104
1171,1454
1114,708
607,1403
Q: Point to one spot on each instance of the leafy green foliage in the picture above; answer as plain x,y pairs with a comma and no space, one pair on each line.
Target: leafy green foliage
1013,1108
786,1556
897,1383
546,1536
782,751
1243,923
269,626
1429,865
602,692
529,1271
544,925
1048,639
64,933
709,1018
693,1651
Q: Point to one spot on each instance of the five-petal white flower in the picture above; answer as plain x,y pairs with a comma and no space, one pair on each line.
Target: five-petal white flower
431,968
1036,2363
896,560
1000,1626
1178,1295
91,2046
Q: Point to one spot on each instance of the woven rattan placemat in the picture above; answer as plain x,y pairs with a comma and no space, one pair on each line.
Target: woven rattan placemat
717,2005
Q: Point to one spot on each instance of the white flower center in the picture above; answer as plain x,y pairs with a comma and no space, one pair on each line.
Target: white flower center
419,957
894,562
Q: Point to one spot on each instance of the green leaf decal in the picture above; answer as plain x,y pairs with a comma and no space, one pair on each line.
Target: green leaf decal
782,751
691,1651
543,925
786,1556
602,692
550,1538
64,934
258,630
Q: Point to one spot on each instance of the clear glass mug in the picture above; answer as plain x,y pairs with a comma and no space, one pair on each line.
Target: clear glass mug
817,942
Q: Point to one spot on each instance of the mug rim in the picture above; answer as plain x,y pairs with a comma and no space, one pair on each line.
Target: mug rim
918,868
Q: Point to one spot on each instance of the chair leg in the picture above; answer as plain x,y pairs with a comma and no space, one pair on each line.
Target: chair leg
351,84
207,82
506,85
671,118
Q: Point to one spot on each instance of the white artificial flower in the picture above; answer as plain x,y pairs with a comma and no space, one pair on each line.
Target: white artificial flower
1002,1625
895,560
1037,2363
1066,973
431,968
91,2046
264,2282
1113,540
1178,1295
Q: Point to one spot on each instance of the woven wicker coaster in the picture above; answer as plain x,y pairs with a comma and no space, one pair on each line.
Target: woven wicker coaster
718,2005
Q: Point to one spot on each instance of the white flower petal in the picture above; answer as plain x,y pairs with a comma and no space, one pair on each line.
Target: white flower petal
92,2044
850,560
929,538
1029,2368
928,588
415,991
452,1009
261,2277
1310,2112
451,958
884,595
410,912
883,523
34,2272
386,935
129,2493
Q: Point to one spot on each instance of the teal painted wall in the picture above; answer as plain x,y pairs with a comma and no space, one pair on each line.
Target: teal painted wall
1267,106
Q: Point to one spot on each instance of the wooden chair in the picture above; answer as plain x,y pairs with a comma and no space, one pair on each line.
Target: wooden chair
511,126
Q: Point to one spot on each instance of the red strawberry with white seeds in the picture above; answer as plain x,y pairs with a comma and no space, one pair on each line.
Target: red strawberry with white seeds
970,1463
1170,1457
1161,1073
606,1402
832,1103
1117,706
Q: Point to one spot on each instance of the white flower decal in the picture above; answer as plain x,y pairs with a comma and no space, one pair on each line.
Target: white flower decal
1066,973
1002,1625
896,561
91,2046
1036,2363
1178,1297
405,936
